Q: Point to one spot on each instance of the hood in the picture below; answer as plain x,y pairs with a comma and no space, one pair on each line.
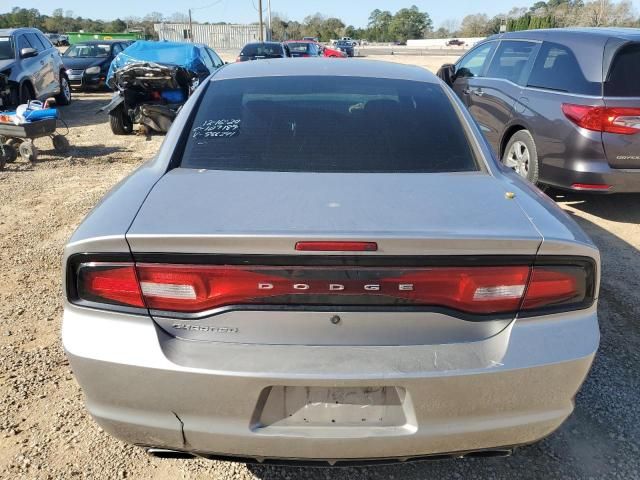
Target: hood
82,63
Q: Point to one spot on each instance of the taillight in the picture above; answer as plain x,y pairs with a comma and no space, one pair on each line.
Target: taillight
111,283
476,290
622,120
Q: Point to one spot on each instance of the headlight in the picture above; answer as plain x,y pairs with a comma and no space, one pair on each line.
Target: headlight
69,71
92,70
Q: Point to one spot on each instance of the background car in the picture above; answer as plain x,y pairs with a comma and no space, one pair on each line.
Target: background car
87,63
262,50
32,67
558,106
455,42
301,48
346,47
57,39
315,267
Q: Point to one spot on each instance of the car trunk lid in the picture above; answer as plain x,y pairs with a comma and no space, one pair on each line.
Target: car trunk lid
244,227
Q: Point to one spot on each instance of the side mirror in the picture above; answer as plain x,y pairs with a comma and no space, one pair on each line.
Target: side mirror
447,73
28,52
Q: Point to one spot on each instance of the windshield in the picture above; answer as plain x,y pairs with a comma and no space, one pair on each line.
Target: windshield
6,48
92,50
318,124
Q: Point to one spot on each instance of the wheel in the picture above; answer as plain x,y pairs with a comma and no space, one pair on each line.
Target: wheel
60,143
120,122
64,97
522,156
26,94
8,153
28,152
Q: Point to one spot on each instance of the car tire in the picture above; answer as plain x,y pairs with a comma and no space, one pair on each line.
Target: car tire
120,122
64,97
26,94
521,155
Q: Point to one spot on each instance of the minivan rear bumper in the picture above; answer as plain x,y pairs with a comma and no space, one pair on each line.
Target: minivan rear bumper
150,389
579,172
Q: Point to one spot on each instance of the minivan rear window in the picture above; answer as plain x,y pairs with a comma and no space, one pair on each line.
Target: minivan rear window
624,75
327,124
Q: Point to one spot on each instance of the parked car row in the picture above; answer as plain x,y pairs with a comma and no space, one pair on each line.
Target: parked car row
290,48
560,107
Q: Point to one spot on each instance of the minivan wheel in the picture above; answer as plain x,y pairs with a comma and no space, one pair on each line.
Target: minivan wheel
522,156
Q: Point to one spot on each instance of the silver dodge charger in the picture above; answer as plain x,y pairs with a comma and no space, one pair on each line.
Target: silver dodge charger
324,263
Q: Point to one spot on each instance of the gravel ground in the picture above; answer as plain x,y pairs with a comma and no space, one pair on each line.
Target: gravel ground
45,432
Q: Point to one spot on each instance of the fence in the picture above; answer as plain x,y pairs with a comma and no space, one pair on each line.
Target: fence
215,36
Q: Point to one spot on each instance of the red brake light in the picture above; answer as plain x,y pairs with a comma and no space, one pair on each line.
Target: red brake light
109,283
337,246
590,186
477,290
621,120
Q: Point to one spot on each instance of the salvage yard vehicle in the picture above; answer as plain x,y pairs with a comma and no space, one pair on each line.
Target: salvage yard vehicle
307,48
259,293
152,80
561,107
30,68
346,47
262,50
87,63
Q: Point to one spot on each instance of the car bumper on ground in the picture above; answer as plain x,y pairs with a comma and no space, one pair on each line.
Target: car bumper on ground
592,176
225,399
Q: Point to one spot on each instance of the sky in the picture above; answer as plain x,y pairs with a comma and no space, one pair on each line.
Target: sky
352,12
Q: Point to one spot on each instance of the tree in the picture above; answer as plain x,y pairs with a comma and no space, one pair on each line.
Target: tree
410,23
116,26
475,25
178,17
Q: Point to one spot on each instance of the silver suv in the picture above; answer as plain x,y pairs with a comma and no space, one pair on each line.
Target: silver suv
30,68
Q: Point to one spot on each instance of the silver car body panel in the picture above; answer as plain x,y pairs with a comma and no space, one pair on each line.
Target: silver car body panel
426,382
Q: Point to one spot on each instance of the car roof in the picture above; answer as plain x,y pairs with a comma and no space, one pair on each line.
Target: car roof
601,33
324,67
99,42
12,31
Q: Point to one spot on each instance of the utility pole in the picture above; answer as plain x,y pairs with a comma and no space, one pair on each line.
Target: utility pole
190,27
261,23
270,31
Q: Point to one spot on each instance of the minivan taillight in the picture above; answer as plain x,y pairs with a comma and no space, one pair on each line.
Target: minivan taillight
622,120
476,290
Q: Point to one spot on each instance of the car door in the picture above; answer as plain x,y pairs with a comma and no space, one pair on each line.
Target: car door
494,97
31,66
45,60
470,67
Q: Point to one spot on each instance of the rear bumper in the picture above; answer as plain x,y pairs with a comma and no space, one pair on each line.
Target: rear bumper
590,173
149,389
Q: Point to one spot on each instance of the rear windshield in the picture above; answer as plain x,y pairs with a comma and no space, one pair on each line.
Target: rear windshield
327,124
262,50
298,47
624,75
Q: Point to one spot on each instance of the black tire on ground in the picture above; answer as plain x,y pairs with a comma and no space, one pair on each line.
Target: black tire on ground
28,152
8,153
26,94
521,154
60,143
64,97
120,122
